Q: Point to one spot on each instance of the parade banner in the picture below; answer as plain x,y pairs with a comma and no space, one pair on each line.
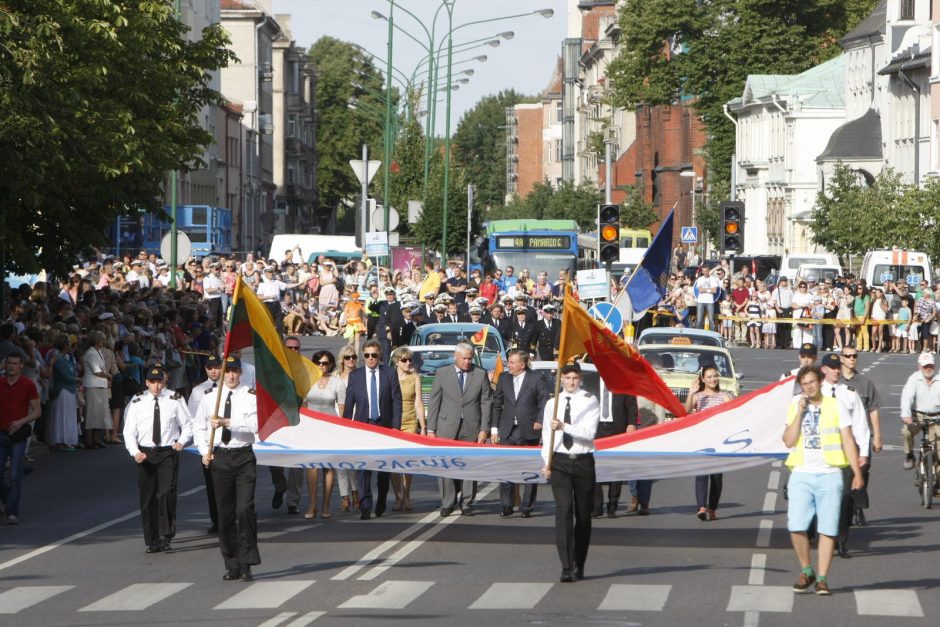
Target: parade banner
739,434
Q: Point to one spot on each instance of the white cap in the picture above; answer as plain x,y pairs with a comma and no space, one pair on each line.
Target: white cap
925,359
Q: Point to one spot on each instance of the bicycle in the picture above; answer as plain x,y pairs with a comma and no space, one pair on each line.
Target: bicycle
926,470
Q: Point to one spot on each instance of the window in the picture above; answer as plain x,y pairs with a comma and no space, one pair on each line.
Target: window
907,9
559,150
291,175
559,112
291,126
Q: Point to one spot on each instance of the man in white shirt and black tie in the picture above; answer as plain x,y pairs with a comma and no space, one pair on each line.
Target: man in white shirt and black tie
153,422
209,387
234,469
569,467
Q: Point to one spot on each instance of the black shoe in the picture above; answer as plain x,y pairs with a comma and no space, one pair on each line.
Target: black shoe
446,511
577,573
292,509
231,575
155,548
379,512
214,529
365,515
467,511
859,517
597,513
506,512
842,550
246,574
566,576
165,543
527,513
611,510
278,499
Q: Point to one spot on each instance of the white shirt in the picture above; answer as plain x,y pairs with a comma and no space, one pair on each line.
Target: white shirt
516,386
270,291
918,395
704,283
200,391
585,416
138,420
248,375
244,419
784,296
214,283
852,405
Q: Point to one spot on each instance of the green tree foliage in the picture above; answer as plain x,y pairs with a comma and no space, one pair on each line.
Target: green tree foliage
850,219
636,213
705,49
98,100
430,229
345,76
544,202
479,146
407,169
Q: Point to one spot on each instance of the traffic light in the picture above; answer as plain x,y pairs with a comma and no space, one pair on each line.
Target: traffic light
731,235
608,240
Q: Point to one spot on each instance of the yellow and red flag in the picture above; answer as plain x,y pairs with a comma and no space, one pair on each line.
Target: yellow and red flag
498,370
621,366
479,338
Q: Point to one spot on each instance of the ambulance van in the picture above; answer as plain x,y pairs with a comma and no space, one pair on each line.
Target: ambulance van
895,265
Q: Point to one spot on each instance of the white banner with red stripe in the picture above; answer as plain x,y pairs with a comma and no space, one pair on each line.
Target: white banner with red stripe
745,432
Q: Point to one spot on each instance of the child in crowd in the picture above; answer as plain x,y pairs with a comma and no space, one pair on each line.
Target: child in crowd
726,309
899,341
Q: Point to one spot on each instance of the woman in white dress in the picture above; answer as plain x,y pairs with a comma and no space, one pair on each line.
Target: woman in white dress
62,432
326,396
96,381
346,363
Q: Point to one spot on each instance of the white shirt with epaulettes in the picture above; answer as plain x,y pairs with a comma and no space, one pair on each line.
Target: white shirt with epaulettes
852,405
585,416
138,420
244,419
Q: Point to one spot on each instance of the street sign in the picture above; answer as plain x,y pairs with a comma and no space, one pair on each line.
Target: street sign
358,167
377,244
608,315
688,234
184,248
378,219
593,284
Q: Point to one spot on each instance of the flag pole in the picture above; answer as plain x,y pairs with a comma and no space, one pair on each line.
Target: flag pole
562,340
218,395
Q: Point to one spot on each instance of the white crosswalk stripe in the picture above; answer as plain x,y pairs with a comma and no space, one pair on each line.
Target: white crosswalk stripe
136,597
265,595
16,599
511,596
391,595
639,597
306,619
760,599
888,603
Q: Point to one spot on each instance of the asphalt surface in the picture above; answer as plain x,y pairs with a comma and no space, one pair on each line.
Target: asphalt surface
77,556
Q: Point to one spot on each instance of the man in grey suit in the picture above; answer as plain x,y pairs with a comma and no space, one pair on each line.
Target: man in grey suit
520,398
461,402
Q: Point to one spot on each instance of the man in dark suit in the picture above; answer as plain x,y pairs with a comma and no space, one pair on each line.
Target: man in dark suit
522,330
519,402
623,413
404,326
547,335
365,383
459,409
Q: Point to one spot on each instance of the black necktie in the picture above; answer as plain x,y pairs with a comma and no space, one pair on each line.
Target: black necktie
227,413
833,391
156,421
566,439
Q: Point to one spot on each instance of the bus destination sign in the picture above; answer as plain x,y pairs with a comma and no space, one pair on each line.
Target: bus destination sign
534,242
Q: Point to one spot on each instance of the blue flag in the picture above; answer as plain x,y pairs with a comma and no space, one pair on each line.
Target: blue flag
648,285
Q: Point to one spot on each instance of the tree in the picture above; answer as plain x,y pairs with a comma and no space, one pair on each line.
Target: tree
345,77
98,100
544,202
705,49
430,229
636,213
479,146
407,168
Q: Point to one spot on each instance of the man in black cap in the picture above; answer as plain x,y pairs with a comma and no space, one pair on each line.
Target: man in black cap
569,467
547,334
208,387
153,423
522,331
234,469
807,358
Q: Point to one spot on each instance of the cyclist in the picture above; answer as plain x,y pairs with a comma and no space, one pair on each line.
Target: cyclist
920,396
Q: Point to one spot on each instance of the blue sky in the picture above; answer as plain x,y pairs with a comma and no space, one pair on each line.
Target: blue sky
524,63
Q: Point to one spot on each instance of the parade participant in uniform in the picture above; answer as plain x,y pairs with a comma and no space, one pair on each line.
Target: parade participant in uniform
234,469
547,335
819,435
920,396
569,467
522,331
153,423
851,404
373,300
440,313
389,316
808,354
623,412
206,388
866,389
530,314
404,327
518,403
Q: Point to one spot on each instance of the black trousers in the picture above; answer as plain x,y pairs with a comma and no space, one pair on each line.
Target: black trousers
156,481
215,311
234,472
784,330
572,484
364,479
277,314
851,499
210,496
530,491
614,488
708,490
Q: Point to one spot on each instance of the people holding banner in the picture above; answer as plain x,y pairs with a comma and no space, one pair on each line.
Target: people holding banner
518,404
706,392
623,412
327,396
412,418
568,454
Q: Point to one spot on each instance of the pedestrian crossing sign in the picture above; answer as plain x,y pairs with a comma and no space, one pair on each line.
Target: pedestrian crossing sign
689,234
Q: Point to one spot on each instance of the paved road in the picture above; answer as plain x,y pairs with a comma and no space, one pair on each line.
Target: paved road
77,557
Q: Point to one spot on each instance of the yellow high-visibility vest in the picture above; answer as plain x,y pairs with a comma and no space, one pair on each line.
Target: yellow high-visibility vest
829,432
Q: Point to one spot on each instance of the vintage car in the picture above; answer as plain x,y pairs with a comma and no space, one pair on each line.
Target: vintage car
680,335
485,339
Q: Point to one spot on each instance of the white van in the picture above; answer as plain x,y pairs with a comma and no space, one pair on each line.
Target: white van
895,265
340,248
818,273
791,263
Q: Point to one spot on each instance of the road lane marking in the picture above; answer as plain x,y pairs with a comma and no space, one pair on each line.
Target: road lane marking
511,596
751,619
758,567
265,595
16,599
638,597
415,544
774,481
390,595
388,545
277,620
760,599
777,464
888,603
81,534
135,597
763,533
305,620
770,503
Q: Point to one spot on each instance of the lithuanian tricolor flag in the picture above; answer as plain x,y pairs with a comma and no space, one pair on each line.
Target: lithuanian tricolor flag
282,377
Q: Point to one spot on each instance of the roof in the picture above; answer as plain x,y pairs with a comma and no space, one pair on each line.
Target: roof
858,139
236,5
908,60
554,87
872,26
820,87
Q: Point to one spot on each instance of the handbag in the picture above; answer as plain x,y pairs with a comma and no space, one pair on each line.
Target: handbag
22,433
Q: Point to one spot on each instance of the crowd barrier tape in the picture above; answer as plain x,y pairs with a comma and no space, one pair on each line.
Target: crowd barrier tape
810,321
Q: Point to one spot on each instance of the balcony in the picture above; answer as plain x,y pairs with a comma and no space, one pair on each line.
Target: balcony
293,145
